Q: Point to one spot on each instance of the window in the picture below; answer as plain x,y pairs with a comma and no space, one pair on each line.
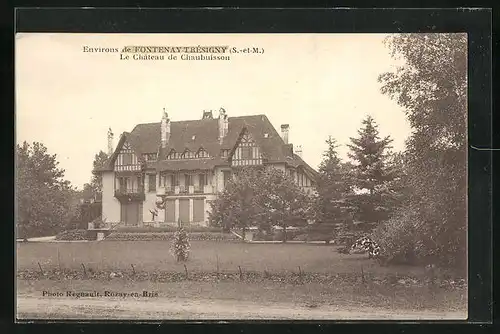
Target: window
202,153
224,153
174,180
187,155
227,177
122,183
150,156
203,180
188,180
246,152
127,158
152,182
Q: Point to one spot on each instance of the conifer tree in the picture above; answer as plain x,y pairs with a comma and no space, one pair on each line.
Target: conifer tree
331,209
371,176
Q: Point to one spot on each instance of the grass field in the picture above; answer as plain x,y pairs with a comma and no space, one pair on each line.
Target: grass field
204,256
193,299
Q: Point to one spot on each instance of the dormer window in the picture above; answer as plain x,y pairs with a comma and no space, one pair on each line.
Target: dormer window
172,155
187,155
224,153
202,153
266,135
150,156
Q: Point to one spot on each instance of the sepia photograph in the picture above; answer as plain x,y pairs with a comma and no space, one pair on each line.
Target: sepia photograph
241,176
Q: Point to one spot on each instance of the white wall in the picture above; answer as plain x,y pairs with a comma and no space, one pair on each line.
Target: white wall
110,205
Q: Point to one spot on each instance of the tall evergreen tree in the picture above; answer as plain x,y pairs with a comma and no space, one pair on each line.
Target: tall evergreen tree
94,188
371,175
331,209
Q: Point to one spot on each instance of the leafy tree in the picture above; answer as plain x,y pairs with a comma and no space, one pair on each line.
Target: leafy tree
237,206
263,197
431,86
45,201
282,201
371,175
331,210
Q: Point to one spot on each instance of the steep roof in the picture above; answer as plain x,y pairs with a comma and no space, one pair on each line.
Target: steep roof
203,133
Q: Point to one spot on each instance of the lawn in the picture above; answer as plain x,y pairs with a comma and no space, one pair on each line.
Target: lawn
205,256
214,295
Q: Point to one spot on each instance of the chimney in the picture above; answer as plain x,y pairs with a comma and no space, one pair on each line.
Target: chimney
223,124
284,132
110,142
207,115
298,150
165,129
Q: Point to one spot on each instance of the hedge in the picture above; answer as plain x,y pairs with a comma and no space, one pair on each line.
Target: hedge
71,235
150,236
151,229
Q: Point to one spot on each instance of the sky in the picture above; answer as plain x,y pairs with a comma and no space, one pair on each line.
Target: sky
320,84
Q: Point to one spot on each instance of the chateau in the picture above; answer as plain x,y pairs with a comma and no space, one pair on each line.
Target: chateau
162,172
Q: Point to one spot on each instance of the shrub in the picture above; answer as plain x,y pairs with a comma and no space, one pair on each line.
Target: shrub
399,238
71,235
151,229
180,246
151,236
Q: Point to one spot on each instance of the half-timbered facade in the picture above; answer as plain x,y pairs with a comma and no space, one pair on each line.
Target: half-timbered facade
164,172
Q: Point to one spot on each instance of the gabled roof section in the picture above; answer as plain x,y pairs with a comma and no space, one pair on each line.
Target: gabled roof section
297,162
125,137
194,134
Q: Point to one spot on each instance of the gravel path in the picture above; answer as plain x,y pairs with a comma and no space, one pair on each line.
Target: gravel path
31,307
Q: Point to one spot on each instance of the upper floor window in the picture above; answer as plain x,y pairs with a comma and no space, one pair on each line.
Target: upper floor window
224,153
202,153
246,152
126,158
187,155
150,156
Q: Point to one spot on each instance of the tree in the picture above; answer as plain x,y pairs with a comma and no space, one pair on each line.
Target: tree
180,246
282,201
431,86
370,176
44,199
331,210
237,206
94,188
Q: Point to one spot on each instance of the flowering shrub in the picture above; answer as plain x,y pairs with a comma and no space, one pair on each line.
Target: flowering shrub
180,246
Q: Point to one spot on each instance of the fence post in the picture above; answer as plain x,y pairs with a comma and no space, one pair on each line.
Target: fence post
362,275
241,273
84,270
133,269
186,271
300,276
